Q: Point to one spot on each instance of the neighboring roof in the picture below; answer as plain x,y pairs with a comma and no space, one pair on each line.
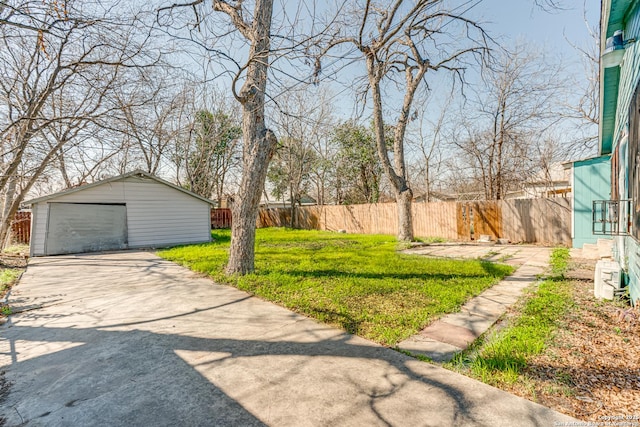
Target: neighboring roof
435,195
556,172
305,199
612,18
135,173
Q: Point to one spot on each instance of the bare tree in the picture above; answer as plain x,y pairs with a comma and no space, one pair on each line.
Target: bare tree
150,120
400,42
58,61
259,142
507,120
549,5
249,26
427,139
585,111
316,114
289,172
86,160
254,26
303,119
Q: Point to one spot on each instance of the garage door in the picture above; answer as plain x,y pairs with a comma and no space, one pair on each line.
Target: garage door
83,227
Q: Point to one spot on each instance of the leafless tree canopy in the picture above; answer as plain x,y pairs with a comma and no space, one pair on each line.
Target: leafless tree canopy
60,62
302,163
250,44
584,112
506,121
400,43
90,88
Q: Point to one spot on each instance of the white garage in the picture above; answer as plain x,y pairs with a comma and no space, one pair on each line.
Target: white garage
134,210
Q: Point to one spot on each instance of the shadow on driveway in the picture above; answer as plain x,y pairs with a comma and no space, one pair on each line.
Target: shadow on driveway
129,339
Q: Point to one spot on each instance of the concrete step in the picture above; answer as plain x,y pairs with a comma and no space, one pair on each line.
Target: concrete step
590,251
605,248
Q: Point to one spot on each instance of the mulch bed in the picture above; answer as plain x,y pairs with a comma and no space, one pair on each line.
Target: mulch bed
592,369
13,260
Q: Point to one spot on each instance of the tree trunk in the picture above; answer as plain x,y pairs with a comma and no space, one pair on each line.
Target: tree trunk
18,196
9,210
63,169
245,209
499,177
397,174
258,145
7,214
7,221
427,193
405,222
9,196
292,205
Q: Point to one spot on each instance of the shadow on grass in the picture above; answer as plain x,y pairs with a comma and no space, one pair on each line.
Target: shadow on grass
379,276
220,237
346,321
493,269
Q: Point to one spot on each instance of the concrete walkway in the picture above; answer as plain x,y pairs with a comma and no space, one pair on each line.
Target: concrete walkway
453,333
130,339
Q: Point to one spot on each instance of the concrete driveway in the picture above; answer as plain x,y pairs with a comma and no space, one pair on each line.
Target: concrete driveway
130,339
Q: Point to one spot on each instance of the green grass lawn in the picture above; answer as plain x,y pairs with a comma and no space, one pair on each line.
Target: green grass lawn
7,277
500,359
357,282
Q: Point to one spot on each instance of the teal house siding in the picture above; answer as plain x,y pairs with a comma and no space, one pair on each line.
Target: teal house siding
629,73
617,87
627,249
591,181
629,258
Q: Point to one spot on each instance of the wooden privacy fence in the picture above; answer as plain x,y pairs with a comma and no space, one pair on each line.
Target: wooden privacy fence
220,218
21,228
540,221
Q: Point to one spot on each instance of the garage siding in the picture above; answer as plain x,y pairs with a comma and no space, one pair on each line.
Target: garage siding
39,214
157,214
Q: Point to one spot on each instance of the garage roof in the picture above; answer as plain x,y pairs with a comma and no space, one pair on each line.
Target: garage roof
136,173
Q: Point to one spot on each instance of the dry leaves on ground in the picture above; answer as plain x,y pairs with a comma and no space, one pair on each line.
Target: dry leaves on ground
592,370
13,260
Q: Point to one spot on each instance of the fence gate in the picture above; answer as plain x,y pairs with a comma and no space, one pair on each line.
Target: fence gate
464,218
487,219
478,218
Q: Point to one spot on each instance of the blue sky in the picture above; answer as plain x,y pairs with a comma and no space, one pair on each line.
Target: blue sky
508,21
513,20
